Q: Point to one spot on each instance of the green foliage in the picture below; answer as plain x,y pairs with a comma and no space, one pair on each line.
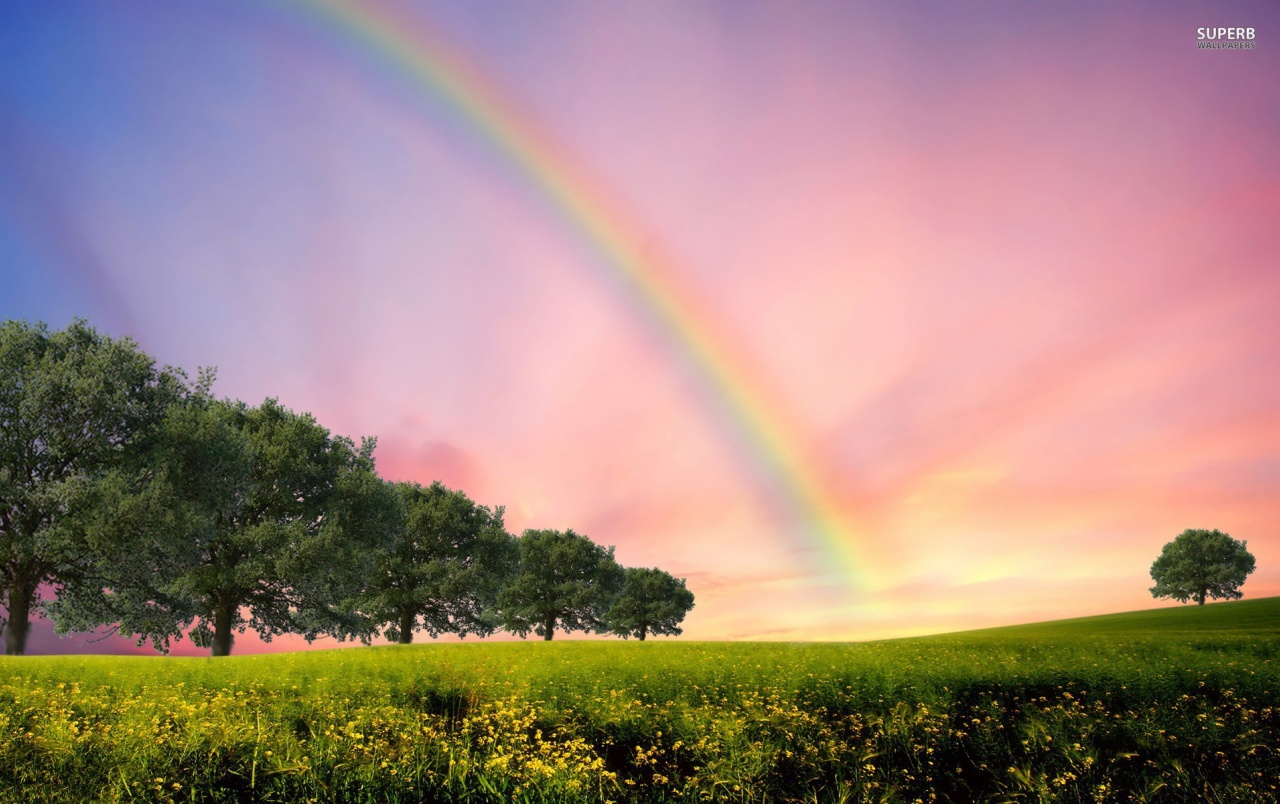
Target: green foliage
651,602
1200,564
1148,707
563,580
255,511
160,511
77,408
441,568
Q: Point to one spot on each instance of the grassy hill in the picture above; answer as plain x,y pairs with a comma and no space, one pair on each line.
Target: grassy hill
1261,616
1164,705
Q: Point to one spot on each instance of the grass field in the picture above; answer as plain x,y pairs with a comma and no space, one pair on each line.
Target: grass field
1169,705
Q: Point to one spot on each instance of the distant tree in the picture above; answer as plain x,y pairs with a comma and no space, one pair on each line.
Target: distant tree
75,406
563,580
651,602
246,511
1200,564
442,567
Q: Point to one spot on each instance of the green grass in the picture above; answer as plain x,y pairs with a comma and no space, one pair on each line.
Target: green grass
1261,617
1166,705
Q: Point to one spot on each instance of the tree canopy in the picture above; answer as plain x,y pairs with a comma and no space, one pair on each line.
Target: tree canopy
253,511
148,505
564,580
651,602
441,568
75,406
1199,564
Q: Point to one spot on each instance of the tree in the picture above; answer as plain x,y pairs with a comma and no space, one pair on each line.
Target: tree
563,580
1200,564
651,602
75,406
255,511
442,567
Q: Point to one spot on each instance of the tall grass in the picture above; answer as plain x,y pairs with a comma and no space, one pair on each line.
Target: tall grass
1172,705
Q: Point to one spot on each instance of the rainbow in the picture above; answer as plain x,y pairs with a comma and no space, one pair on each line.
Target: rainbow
404,45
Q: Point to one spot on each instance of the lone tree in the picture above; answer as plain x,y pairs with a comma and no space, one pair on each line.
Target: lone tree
442,567
253,511
651,602
75,407
564,580
1200,564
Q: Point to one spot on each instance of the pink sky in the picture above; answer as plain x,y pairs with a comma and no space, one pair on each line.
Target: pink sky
1006,279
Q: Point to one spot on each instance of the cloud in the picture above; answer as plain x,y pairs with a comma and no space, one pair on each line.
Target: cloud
399,459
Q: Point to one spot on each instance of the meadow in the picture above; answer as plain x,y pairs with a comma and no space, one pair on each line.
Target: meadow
1169,705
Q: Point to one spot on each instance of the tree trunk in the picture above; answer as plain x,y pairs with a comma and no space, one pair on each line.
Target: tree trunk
408,619
1200,597
15,638
550,628
644,629
222,636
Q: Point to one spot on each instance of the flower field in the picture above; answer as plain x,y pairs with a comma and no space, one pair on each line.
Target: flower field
1170,705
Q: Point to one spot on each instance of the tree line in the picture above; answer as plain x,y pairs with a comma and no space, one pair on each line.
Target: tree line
151,506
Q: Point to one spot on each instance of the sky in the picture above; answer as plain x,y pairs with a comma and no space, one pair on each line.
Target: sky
868,320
